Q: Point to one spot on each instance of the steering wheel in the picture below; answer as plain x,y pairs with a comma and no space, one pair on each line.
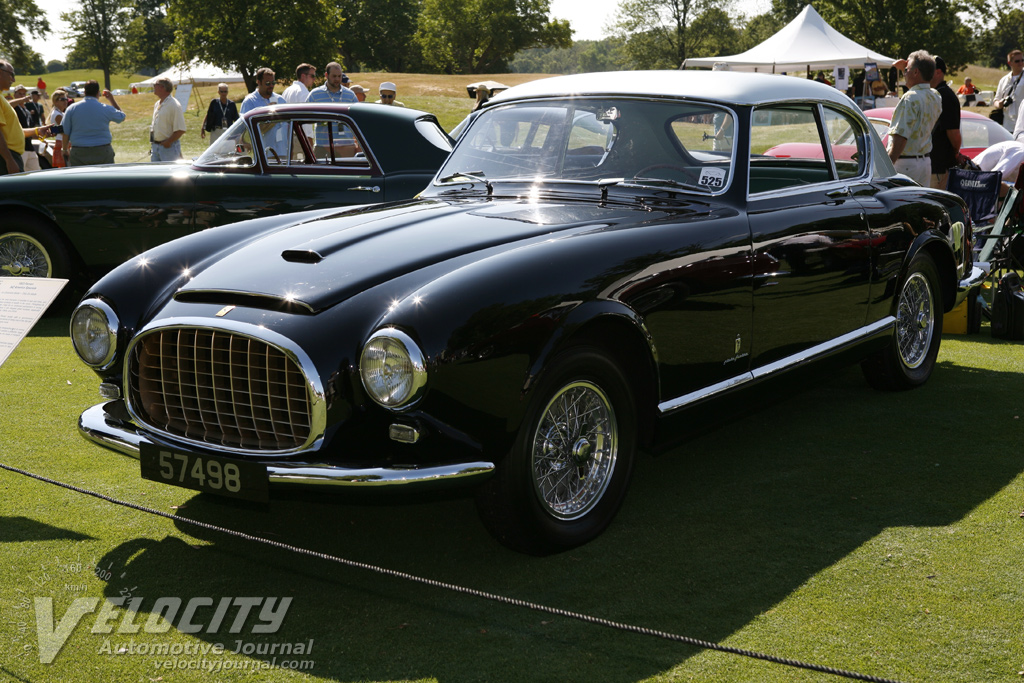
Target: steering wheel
688,174
271,150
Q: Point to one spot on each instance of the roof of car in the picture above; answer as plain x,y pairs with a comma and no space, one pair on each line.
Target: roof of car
356,110
722,86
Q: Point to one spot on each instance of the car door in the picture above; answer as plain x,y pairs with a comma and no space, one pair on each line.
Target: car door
811,242
297,163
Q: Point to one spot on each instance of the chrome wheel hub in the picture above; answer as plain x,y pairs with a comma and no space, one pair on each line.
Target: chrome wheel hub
23,256
915,321
574,450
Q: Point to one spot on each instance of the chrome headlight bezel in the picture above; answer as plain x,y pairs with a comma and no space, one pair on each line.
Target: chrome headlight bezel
106,323
399,352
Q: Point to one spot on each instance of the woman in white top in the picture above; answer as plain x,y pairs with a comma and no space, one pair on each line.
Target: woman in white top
60,103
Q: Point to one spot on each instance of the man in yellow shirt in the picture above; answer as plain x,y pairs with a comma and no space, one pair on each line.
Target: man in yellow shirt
12,135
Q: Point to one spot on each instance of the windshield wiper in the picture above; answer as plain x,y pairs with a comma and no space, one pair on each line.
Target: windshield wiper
662,182
475,176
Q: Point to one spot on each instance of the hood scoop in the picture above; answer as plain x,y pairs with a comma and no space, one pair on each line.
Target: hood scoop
311,256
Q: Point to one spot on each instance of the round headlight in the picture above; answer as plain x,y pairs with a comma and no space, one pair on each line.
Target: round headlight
94,333
392,368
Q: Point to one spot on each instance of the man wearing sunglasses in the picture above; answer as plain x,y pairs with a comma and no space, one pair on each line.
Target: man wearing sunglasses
388,92
1010,90
263,95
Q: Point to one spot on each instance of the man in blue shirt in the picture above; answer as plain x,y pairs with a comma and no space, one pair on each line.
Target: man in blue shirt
264,94
87,128
333,91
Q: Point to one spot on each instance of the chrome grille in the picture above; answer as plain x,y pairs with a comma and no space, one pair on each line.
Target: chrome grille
220,388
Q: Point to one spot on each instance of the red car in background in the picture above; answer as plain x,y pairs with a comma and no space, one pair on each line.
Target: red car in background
978,132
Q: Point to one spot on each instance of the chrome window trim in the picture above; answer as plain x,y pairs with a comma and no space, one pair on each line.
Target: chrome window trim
866,174
317,396
779,366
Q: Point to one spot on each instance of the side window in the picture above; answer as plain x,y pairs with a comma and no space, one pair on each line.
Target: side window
276,141
847,143
786,149
336,144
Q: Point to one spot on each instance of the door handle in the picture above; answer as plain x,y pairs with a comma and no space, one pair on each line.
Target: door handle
375,188
836,194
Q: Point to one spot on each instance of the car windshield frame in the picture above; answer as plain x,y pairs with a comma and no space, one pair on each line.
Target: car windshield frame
601,140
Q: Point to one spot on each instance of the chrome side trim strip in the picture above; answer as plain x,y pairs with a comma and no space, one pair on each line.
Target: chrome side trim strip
98,426
801,358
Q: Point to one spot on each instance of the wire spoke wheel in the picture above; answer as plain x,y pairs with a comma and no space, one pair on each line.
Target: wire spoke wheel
22,255
915,320
575,447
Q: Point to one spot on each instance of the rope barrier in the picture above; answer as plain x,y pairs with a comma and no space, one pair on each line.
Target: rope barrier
599,621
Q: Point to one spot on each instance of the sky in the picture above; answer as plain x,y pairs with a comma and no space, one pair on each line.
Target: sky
588,19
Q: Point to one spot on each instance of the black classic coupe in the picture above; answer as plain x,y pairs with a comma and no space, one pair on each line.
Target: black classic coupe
78,223
604,261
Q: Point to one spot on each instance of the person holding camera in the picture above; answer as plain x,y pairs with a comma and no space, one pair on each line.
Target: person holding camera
1010,90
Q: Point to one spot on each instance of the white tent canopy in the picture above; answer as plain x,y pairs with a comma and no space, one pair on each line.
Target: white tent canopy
196,73
806,43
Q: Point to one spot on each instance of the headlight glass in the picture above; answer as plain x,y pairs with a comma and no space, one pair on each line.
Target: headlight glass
392,369
94,333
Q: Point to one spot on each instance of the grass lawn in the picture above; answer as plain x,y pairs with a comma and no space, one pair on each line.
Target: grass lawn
874,532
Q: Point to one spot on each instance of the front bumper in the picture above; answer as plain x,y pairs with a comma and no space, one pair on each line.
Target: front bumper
101,425
979,271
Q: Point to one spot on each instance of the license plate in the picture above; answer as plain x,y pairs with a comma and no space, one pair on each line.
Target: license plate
233,478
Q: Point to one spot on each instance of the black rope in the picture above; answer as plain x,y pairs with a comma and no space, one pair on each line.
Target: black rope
704,644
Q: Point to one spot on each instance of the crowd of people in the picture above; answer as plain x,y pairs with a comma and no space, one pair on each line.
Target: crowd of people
81,130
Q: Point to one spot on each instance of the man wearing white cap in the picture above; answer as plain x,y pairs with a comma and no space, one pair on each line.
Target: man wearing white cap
388,90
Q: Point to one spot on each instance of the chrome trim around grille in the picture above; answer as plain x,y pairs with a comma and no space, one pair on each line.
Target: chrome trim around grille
97,424
797,359
290,350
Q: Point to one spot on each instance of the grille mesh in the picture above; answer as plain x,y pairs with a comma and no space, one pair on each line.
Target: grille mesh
220,388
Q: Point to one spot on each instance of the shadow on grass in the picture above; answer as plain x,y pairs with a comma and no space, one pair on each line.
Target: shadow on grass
711,535
22,529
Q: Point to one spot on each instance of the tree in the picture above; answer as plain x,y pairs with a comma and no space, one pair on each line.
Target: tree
55,65
482,36
244,35
660,34
147,36
377,35
897,29
1007,34
97,29
584,56
17,16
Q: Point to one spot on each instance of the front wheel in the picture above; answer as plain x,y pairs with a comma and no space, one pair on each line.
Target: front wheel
30,248
909,359
567,473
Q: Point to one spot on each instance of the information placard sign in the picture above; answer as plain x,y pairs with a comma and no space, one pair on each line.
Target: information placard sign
23,300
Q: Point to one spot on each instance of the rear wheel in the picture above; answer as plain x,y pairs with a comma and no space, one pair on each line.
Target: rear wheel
907,362
566,476
31,248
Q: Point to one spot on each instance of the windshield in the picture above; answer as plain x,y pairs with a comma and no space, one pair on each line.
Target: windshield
599,139
233,148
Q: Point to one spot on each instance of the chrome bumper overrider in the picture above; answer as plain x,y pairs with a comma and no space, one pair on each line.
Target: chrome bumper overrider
979,271
100,426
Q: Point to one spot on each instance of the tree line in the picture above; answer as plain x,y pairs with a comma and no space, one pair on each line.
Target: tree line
481,36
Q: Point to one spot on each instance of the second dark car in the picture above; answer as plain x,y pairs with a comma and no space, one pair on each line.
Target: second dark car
78,223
